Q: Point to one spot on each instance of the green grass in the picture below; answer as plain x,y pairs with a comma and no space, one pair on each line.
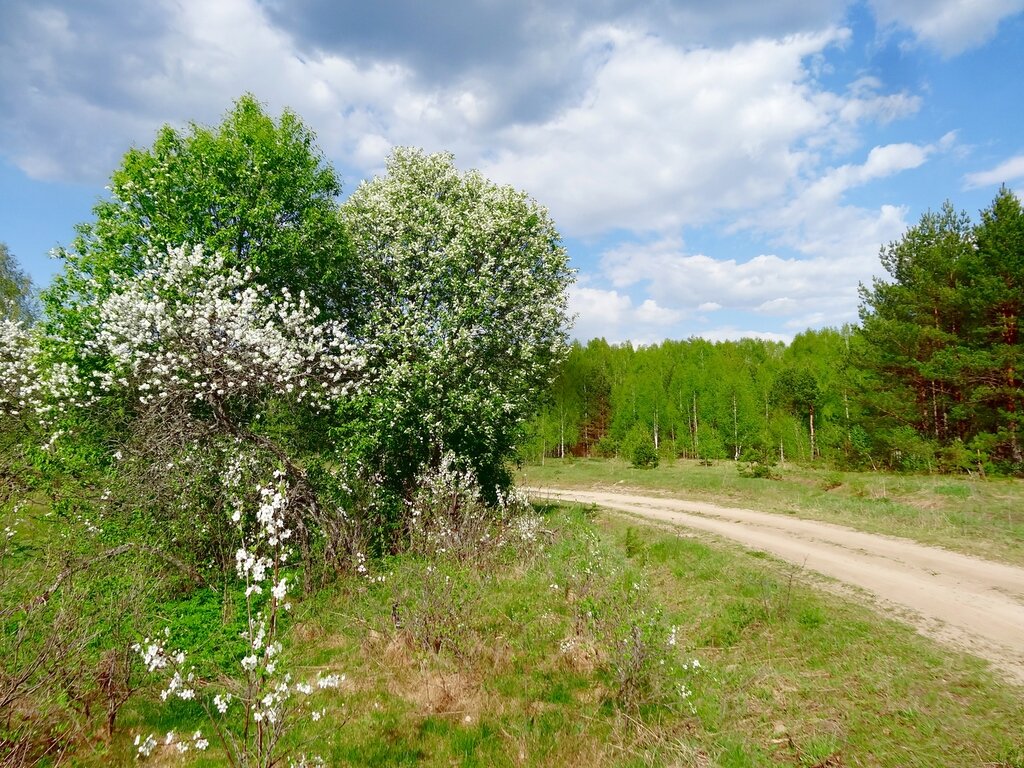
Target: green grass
983,517
530,666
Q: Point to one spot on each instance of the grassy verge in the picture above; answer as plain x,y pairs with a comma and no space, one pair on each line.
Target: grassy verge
983,517
577,646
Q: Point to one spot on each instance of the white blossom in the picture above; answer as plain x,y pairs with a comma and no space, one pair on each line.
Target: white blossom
190,327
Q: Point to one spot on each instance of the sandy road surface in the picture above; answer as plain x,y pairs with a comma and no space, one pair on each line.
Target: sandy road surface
974,605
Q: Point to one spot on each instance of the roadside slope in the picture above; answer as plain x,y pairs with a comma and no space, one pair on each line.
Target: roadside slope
974,605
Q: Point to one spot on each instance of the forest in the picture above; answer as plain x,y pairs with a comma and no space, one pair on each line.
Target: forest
930,380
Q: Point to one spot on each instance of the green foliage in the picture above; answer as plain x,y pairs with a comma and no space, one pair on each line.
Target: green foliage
703,400
760,464
17,299
932,379
465,317
639,448
253,188
942,349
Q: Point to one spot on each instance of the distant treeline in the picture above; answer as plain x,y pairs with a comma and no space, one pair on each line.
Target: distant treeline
929,380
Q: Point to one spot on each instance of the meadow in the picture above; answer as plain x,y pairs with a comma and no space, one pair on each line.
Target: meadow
582,638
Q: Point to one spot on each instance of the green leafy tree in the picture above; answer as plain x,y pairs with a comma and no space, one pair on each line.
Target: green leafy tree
465,284
638,447
252,199
17,301
254,188
797,389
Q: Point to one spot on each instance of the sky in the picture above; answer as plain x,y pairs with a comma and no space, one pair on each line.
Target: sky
717,168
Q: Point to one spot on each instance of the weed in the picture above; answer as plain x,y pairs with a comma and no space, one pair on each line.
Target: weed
831,481
633,544
432,607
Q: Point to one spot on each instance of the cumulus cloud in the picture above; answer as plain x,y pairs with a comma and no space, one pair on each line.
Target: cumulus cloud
526,55
816,221
187,60
789,292
613,315
724,131
628,119
951,26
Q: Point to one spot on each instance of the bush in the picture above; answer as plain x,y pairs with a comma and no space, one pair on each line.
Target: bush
760,462
908,450
639,448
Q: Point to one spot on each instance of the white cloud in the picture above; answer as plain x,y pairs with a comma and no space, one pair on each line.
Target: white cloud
647,132
731,333
952,26
723,131
817,222
781,306
764,283
794,292
650,313
610,314
191,66
1007,171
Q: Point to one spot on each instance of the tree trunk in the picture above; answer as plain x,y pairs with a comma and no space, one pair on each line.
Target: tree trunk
696,426
849,431
656,441
735,430
810,421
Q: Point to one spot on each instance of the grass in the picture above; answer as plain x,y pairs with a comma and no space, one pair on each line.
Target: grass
983,517
561,654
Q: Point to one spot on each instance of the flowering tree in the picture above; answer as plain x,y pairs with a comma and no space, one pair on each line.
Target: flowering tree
202,367
465,285
195,356
254,189
219,360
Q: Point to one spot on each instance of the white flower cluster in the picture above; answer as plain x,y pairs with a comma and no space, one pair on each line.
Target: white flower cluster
514,501
156,657
526,527
146,746
261,557
190,327
264,690
28,388
19,375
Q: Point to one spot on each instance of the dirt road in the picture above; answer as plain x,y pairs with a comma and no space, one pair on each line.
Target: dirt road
972,604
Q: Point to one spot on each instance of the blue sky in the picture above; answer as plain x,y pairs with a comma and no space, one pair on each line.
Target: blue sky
718,169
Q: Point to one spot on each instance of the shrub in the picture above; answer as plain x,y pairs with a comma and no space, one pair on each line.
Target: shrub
759,461
639,448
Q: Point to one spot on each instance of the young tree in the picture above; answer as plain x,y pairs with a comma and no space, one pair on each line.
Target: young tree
248,207
254,189
465,281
